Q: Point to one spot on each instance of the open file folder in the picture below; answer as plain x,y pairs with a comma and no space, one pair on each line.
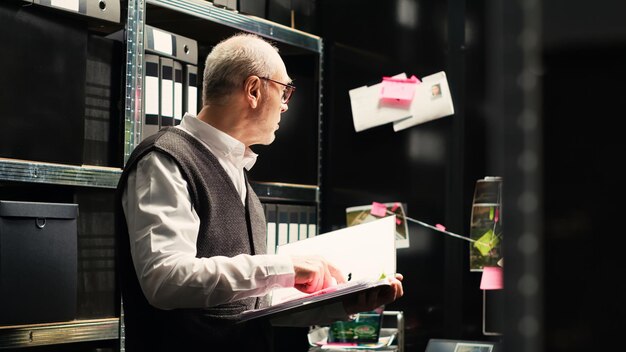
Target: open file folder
431,100
368,112
364,253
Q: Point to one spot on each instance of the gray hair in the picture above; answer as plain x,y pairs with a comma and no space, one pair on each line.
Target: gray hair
230,62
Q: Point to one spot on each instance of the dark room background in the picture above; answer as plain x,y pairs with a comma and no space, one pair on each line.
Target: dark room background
537,90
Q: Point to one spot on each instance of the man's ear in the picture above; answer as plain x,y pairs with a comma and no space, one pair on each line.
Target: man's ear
252,90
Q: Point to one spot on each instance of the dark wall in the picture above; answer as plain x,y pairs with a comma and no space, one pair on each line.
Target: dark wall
584,51
430,167
571,248
560,280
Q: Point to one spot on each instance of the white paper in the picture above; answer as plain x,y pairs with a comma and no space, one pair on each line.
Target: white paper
178,101
368,112
427,104
364,252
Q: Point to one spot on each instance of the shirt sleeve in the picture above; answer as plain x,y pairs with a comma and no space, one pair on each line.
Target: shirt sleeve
163,229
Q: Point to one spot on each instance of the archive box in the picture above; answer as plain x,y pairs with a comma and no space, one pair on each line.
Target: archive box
38,262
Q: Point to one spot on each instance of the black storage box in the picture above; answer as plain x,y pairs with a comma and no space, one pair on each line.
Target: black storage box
38,262
42,100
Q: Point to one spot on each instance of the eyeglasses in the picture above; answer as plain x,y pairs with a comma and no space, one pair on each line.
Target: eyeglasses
289,88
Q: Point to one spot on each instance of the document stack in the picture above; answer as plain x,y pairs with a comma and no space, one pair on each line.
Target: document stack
170,79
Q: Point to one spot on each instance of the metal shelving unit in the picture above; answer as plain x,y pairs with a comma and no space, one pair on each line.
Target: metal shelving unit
206,10
24,171
201,10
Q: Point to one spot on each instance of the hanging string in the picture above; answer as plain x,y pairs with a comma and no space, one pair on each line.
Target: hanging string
439,228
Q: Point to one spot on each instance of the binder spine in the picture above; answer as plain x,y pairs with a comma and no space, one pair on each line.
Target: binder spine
167,92
191,89
294,225
303,223
312,231
270,211
151,97
178,92
283,225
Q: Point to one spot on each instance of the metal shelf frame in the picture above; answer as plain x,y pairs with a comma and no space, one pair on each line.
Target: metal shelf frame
99,177
24,171
59,333
233,19
58,174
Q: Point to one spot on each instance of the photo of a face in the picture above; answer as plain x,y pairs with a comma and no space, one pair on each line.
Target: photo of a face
435,91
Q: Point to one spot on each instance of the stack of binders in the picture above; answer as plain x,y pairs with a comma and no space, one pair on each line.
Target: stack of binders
170,79
287,223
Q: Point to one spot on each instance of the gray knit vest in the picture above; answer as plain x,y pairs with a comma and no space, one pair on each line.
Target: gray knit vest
227,228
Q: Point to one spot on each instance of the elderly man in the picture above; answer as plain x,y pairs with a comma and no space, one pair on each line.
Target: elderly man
192,231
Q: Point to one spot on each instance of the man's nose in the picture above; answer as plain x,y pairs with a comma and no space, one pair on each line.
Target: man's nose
283,107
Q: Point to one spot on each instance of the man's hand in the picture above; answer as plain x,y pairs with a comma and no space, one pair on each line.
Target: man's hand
376,297
314,273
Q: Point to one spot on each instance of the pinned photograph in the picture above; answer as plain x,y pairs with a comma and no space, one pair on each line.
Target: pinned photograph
366,213
435,91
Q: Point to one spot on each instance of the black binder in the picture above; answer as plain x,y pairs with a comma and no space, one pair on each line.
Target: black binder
108,10
272,227
167,92
178,93
190,91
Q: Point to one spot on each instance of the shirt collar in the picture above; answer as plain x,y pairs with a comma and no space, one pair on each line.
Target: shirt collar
219,142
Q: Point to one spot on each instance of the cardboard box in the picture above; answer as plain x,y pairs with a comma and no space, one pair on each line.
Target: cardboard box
38,262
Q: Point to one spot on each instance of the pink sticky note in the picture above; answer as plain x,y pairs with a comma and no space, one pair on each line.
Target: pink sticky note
398,221
395,206
492,278
440,227
398,89
378,209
